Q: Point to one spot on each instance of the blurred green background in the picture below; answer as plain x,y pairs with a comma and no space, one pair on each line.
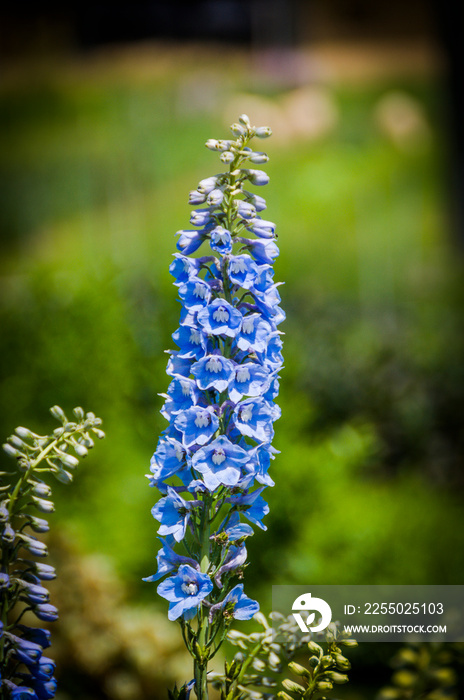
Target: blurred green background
97,157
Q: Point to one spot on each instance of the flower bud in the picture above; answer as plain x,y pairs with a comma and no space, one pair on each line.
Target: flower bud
99,433
79,412
44,572
8,534
244,119
342,662
62,476
46,612
324,685
314,661
58,413
212,144
4,512
38,524
348,642
258,157
34,546
24,432
41,489
338,677
207,185
292,686
227,157
299,670
196,197
263,132
238,130
43,505
81,450
256,177
10,450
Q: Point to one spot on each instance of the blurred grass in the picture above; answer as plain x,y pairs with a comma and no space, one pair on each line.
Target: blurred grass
94,180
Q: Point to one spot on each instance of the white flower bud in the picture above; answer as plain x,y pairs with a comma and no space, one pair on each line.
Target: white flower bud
58,413
263,132
238,130
227,157
258,157
244,119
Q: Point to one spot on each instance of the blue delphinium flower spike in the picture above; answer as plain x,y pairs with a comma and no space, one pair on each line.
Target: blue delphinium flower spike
211,463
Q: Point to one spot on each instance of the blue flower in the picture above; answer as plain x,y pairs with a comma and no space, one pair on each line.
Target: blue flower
236,604
168,458
213,372
173,512
235,530
185,591
221,240
242,270
195,293
254,417
254,333
251,379
197,425
191,341
168,560
182,268
252,505
220,318
220,462
183,393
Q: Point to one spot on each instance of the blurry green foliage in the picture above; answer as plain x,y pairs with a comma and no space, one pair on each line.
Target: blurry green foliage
94,181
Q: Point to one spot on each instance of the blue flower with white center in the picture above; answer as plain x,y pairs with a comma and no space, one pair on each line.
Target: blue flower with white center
263,251
183,393
185,592
254,333
191,341
221,240
168,560
261,228
213,372
190,241
236,604
220,318
168,458
253,418
173,513
197,425
182,268
242,270
251,379
252,506
195,294
220,462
